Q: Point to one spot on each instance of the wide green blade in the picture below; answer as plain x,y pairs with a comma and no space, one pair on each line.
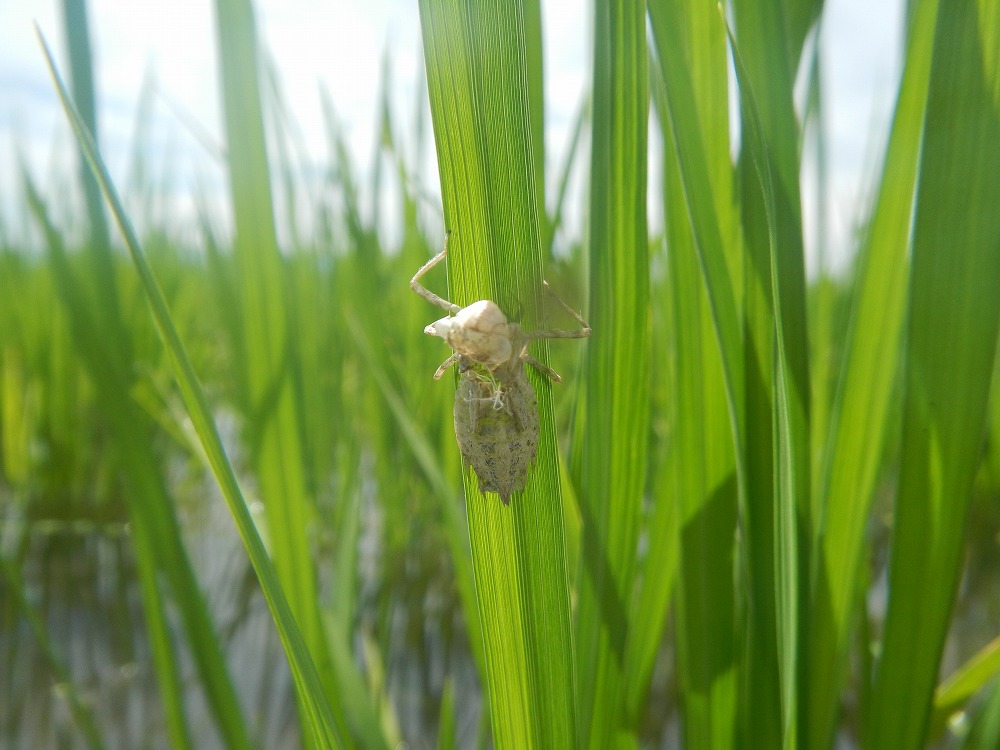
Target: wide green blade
766,50
271,340
610,452
790,427
478,84
717,253
951,335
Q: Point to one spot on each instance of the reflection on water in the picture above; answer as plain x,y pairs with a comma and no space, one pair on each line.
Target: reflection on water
81,579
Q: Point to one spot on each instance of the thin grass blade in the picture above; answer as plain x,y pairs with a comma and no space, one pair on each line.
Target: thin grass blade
859,422
952,694
76,22
304,671
702,471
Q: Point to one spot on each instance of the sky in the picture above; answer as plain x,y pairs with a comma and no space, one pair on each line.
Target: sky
340,44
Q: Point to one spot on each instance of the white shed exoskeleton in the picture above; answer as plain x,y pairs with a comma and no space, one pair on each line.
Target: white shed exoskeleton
496,412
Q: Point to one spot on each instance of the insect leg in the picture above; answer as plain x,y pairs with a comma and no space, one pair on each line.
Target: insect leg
446,364
542,368
556,333
427,294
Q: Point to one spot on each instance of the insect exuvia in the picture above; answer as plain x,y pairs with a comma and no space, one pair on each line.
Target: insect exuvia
496,412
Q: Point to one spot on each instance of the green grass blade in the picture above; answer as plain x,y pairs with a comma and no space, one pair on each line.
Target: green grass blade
770,37
702,478
149,504
705,488
952,694
859,416
276,436
610,453
446,720
318,710
951,335
720,269
271,337
478,87
790,428
81,60
986,727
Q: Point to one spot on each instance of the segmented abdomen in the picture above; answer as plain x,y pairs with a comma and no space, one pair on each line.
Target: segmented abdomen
497,430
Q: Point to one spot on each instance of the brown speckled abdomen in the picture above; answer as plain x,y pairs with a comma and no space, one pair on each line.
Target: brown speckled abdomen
497,431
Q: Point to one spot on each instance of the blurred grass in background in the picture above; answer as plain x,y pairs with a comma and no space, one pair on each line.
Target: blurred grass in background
765,507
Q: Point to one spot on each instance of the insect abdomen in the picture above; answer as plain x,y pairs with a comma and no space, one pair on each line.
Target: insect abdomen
497,430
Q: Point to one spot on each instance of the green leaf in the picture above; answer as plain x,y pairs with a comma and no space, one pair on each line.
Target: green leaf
81,66
702,470
611,442
790,385
952,694
951,335
317,709
276,438
865,392
479,93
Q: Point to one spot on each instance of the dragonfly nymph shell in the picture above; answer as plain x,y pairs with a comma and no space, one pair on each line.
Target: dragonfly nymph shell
496,411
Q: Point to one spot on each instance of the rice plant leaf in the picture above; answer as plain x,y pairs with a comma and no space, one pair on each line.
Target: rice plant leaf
273,364
790,388
76,23
318,712
609,456
952,694
479,95
701,475
276,438
865,391
985,731
951,335
720,269
446,719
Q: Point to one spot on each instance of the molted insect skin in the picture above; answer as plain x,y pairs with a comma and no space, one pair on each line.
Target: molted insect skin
496,412
497,432
479,331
